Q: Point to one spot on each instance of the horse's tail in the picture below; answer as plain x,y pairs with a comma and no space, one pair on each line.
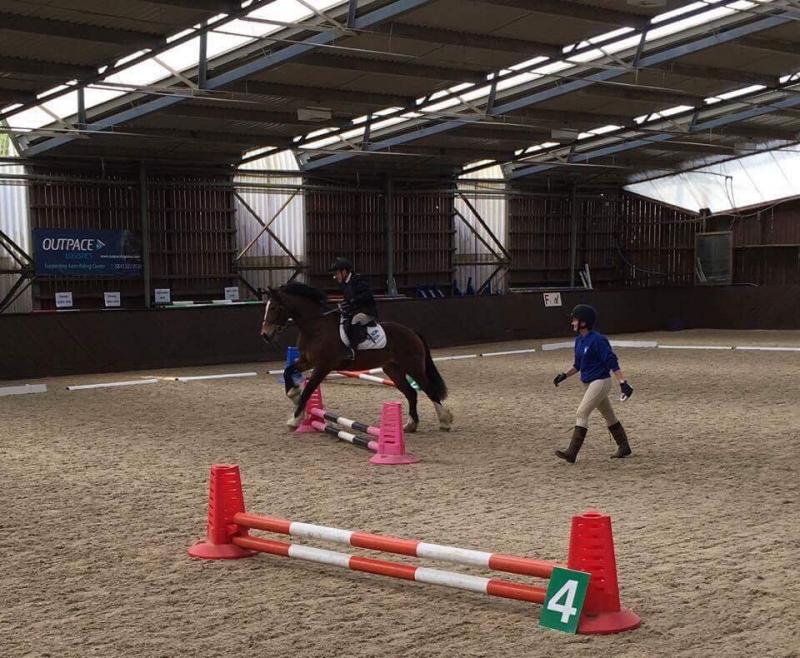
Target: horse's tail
437,387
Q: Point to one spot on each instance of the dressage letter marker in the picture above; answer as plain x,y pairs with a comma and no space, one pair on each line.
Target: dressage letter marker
563,602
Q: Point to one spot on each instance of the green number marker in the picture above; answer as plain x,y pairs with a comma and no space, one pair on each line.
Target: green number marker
564,600
414,384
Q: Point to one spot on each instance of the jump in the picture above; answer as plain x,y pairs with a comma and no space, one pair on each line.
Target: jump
322,351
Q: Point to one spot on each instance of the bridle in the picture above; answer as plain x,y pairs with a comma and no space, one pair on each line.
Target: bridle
280,323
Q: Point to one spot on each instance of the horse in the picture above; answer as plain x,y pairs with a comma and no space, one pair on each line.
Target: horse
321,349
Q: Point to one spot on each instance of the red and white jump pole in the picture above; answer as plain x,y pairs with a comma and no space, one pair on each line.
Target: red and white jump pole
365,376
591,550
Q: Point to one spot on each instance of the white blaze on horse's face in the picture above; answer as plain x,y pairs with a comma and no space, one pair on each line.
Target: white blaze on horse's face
267,331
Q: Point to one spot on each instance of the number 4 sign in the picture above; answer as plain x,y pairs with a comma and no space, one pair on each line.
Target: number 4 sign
564,600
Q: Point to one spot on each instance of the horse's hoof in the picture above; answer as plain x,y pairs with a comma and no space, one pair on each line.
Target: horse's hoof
410,427
293,393
293,422
444,427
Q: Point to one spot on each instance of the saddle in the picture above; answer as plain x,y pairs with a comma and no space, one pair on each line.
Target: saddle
376,337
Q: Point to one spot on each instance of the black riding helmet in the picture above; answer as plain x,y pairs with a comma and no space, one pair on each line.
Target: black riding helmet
584,313
340,264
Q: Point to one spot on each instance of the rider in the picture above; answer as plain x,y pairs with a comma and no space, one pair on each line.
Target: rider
595,360
358,307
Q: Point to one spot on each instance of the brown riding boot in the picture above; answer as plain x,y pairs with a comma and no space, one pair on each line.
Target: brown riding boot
623,447
571,453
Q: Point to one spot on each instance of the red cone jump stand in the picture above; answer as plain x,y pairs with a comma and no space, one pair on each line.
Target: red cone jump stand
391,442
591,549
225,499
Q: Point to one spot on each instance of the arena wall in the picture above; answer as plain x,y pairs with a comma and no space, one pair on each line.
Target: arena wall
47,344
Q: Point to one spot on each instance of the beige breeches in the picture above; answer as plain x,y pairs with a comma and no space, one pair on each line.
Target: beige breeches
596,397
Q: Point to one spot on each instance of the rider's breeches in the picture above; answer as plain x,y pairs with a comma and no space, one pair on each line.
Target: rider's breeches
362,318
596,397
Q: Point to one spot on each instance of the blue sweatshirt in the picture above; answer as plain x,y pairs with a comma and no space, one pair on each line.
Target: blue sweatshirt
594,357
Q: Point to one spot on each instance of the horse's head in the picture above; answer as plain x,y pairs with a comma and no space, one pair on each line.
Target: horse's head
294,301
276,316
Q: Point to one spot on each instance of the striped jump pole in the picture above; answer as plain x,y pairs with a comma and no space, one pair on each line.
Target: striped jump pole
365,376
390,446
591,550
353,439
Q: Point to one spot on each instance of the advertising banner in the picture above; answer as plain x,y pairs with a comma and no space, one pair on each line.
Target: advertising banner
82,252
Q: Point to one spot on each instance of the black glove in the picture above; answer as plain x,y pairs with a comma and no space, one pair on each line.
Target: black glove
627,391
345,307
560,377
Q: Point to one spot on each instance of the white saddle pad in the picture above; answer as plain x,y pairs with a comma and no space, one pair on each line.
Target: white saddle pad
376,338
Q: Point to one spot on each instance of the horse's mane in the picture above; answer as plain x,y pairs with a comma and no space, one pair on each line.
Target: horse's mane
302,290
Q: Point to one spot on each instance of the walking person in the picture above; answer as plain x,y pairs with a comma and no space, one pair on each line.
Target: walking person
595,361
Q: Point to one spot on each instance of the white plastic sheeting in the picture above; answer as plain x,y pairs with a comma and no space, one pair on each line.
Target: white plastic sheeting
289,225
15,223
752,180
470,251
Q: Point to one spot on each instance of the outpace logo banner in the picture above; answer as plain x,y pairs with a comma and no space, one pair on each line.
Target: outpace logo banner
87,252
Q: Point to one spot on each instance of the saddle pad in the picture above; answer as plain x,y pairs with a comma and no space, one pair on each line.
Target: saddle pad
376,338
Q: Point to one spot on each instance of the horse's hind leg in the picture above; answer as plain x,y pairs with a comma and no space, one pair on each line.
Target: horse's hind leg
398,376
444,415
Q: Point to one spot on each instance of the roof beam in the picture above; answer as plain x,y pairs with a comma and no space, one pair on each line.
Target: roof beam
575,10
249,140
500,131
567,118
322,94
17,95
759,132
638,163
395,67
458,152
718,73
254,114
221,6
644,94
40,69
542,94
772,45
55,28
471,40
266,61
689,147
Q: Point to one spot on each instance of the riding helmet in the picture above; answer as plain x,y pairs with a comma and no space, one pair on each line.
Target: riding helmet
585,313
340,264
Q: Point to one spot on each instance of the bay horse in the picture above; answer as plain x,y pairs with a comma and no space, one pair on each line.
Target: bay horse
321,349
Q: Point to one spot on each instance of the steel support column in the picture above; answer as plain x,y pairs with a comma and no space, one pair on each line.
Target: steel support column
144,215
573,234
391,286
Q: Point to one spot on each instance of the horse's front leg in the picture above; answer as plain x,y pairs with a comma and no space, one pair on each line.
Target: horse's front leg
311,385
292,389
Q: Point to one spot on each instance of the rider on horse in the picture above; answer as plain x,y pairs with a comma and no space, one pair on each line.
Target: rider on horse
358,308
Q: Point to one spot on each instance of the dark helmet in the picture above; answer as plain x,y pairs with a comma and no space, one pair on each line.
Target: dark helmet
585,313
340,264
